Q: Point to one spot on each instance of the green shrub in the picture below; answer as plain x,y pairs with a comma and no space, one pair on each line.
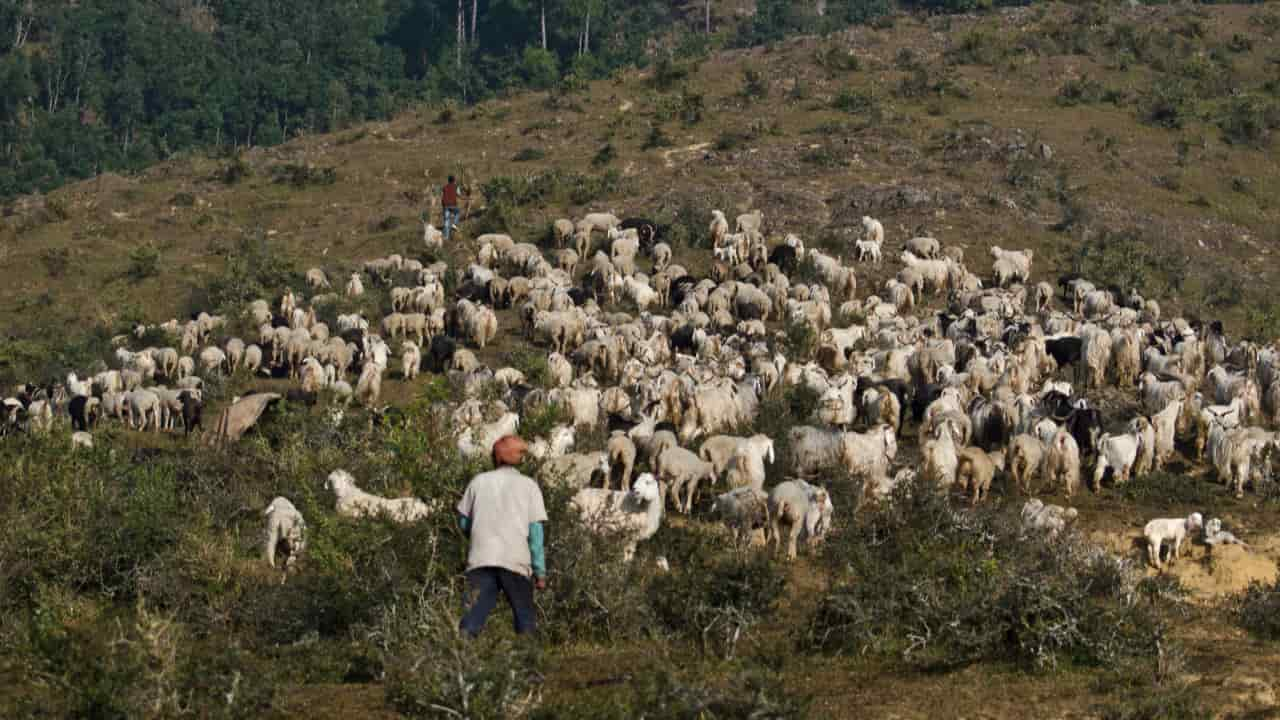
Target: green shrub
938,588
657,138
755,85
714,599
528,154
144,262
55,261
540,68
1248,120
667,73
605,155
979,47
1258,610
751,694
303,176
1080,91
857,102
1168,103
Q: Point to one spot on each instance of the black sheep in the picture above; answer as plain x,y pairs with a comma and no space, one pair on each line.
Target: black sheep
784,256
192,410
1085,425
1065,350
82,415
440,353
646,229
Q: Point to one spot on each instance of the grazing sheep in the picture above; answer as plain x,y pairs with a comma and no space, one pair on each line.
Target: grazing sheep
873,230
719,228
744,511
941,458
1119,453
286,533
316,279
81,439
478,442
803,508
925,247
974,471
636,515
622,459
355,287
411,360
718,450
1062,462
746,466
1165,424
1176,529
1142,429
352,502
680,469
577,470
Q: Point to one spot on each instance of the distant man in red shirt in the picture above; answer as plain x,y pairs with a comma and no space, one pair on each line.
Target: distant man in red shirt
449,200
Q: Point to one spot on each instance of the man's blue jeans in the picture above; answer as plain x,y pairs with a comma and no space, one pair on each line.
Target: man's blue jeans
450,220
485,583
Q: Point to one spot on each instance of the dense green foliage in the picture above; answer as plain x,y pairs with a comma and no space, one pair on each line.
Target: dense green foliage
119,84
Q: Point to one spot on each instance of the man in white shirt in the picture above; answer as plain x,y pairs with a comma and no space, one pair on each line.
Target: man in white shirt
502,512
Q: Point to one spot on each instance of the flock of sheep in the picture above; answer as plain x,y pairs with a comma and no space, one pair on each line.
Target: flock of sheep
672,363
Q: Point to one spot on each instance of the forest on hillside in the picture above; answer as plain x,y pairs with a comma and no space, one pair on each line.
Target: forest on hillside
87,87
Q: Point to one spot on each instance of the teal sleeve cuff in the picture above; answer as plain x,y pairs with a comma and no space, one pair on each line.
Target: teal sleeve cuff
464,522
536,551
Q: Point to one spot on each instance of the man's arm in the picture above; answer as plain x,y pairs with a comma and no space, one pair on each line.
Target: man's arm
537,551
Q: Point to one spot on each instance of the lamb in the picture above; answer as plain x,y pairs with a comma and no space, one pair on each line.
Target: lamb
286,533
81,439
636,515
1215,535
352,502
411,361
1049,519
682,470
868,251
1161,529
1062,462
1118,452
355,287
803,508
744,510
432,237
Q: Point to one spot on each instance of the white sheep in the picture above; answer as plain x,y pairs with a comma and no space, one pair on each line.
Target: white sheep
1118,452
316,279
803,508
1215,535
477,442
636,515
576,470
1048,519
746,466
1161,529
81,439
873,230
411,360
744,511
1062,462
355,287
286,532
681,470
351,501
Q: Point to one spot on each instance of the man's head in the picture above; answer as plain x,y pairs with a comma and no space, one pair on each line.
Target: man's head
450,178
509,450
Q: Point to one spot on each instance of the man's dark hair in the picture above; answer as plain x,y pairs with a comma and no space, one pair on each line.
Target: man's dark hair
450,178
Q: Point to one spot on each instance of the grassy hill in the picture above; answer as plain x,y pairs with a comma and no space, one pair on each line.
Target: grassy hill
1133,144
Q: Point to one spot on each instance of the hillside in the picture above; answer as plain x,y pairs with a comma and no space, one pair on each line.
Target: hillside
1131,144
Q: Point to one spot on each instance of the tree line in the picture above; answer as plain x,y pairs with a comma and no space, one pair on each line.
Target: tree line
88,86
